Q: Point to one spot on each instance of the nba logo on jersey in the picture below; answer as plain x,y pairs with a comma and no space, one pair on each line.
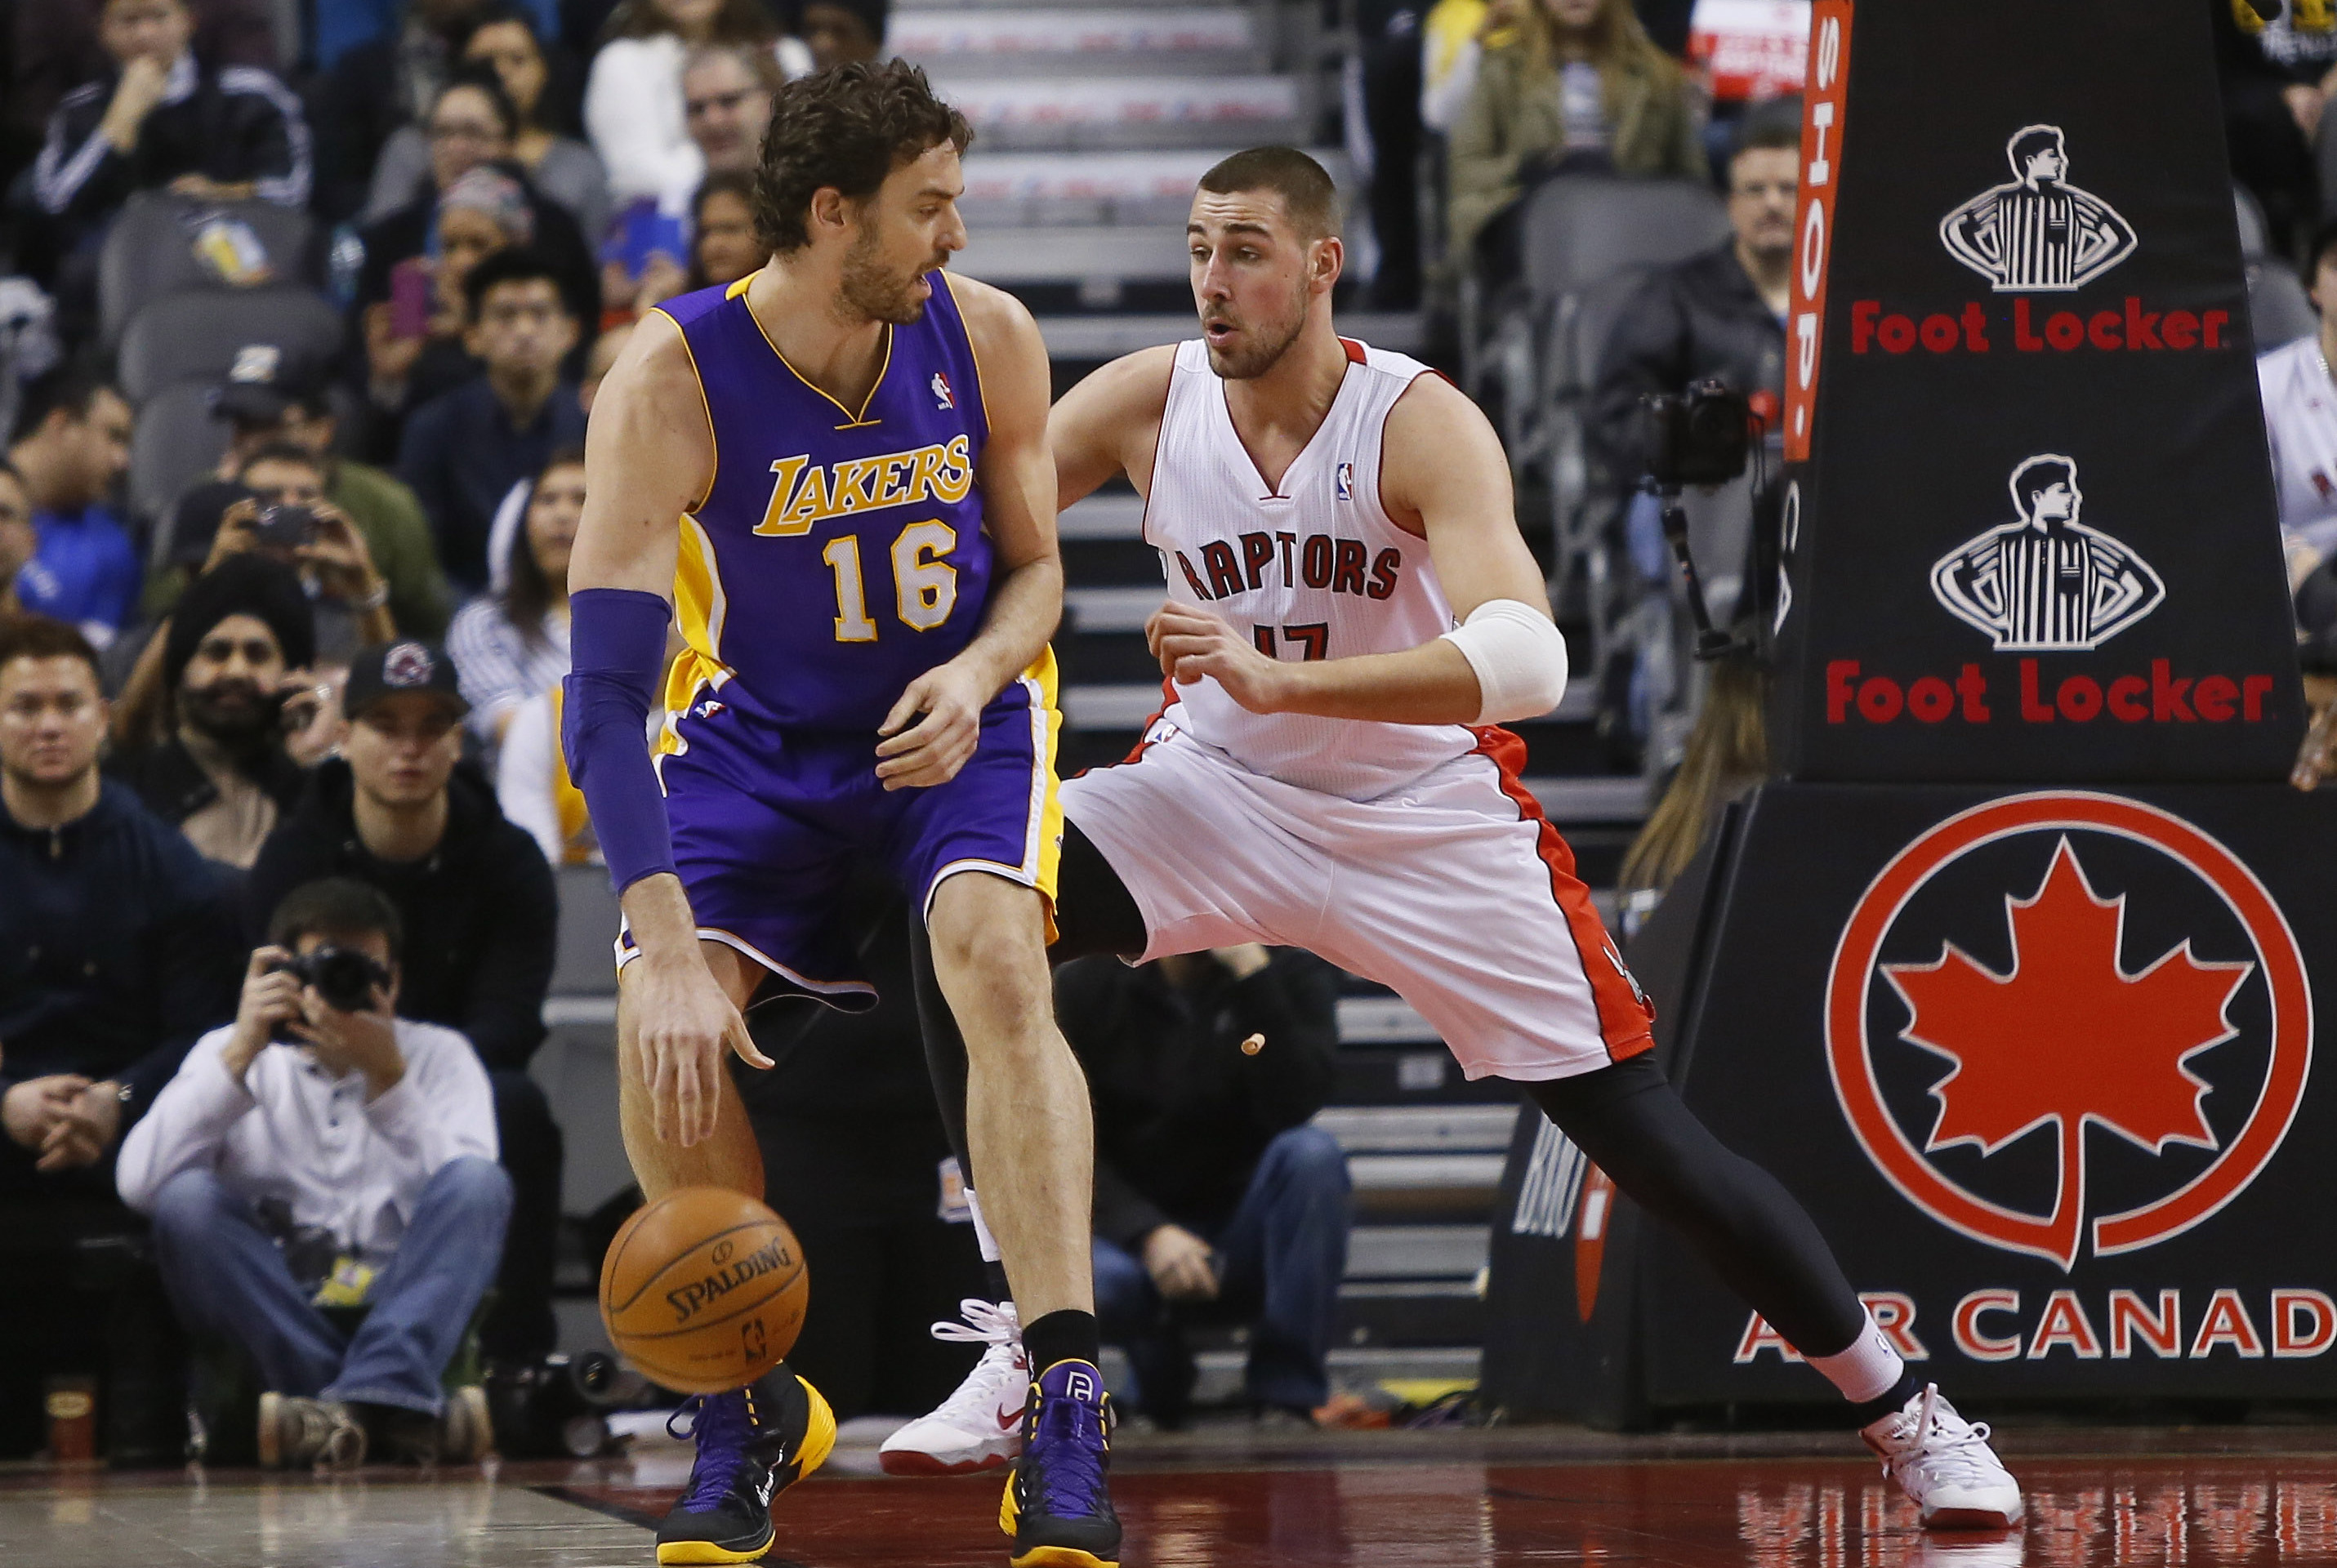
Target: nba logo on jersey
1343,482
942,398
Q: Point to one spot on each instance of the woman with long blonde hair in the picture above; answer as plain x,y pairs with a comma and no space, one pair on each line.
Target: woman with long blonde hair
1578,84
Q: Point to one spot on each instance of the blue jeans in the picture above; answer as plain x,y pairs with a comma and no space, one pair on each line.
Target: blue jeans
228,1278
1279,1261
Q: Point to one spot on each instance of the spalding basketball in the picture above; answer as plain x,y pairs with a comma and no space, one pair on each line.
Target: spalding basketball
704,1290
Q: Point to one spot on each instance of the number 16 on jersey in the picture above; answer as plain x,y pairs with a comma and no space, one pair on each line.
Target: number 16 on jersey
925,585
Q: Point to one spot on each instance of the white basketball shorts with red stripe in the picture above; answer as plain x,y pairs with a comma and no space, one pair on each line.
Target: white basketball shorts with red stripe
1452,890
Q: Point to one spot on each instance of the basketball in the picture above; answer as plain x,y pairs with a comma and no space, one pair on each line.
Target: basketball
704,1290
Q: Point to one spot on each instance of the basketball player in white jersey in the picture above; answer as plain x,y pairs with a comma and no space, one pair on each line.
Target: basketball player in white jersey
1351,613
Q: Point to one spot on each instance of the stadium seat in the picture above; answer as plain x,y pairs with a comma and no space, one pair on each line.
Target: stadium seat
157,248
2279,310
175,439
198,335
1575,230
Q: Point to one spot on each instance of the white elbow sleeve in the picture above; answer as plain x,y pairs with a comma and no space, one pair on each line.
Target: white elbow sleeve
1519,659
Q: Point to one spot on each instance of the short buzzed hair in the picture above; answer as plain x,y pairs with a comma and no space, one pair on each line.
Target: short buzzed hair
1304,185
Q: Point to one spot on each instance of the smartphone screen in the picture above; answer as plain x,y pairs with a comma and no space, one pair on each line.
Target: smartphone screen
409,299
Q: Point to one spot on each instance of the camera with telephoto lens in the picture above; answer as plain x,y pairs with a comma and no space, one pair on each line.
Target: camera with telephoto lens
344,976
1701,436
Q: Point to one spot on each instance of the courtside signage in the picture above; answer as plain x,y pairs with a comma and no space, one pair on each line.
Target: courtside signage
2029,531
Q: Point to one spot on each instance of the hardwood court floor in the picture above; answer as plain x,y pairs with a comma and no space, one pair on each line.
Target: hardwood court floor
1509,1499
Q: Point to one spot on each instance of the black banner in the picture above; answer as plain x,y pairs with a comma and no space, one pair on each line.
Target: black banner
2041,1065
2029,530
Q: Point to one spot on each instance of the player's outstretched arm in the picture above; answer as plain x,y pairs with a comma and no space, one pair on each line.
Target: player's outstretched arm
1018,507
1443,476
648,457
1110,424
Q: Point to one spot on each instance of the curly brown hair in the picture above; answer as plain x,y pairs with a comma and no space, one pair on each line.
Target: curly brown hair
848,127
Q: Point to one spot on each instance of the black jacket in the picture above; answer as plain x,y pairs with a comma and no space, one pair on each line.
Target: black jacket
1181,1115
118,949
1700,318
174,787
232,125
482,918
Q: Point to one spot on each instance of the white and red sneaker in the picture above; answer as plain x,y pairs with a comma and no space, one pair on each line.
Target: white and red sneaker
980,1426
1944,1464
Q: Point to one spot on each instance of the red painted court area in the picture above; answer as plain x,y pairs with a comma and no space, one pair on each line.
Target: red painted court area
2137,1503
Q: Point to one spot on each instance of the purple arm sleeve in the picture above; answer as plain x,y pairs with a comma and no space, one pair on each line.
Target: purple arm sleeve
617,641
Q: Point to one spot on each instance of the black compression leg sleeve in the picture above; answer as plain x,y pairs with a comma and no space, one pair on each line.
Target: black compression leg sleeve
1734,1215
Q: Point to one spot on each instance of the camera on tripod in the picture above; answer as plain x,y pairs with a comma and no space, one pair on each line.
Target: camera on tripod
1700,436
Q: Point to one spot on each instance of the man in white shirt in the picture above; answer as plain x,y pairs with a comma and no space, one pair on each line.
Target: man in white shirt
2299,404
320,1150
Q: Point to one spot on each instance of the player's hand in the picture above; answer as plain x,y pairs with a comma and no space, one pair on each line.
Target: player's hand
930,751
687,1026
1191,642
1179,1264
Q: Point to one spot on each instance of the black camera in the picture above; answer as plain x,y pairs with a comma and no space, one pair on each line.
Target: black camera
285,526
344,976
557,1408
1701,436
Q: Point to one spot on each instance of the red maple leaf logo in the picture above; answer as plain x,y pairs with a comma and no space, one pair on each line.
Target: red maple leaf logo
2069,1035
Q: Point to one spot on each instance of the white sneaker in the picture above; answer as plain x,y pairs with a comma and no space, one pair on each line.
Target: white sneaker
1944,1464
980,1426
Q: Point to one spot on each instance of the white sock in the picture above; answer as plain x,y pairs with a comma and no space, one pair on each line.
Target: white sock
988,1242
1868,1370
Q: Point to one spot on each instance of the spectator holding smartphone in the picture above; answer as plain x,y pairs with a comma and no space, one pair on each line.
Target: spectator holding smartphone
240,643
320,1150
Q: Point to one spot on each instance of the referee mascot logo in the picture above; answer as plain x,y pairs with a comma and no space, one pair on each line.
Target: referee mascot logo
2040,233
2046,583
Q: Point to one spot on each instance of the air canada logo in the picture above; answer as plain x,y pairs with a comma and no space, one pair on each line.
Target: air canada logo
2067,1022
2038,234
2045,582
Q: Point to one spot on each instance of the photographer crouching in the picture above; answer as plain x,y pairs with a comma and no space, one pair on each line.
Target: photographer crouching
320,1152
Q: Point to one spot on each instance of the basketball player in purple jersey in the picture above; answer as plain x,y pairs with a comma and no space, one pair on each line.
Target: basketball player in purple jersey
833,474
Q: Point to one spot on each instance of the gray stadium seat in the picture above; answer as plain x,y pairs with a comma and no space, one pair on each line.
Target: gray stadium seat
2278,311
175,440
149,252
188,334
1578,229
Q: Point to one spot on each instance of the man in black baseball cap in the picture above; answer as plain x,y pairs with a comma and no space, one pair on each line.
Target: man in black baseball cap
401,810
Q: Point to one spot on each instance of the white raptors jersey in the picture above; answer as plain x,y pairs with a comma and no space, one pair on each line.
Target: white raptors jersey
1314,569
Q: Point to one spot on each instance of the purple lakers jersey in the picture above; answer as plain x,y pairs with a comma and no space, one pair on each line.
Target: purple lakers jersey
838,553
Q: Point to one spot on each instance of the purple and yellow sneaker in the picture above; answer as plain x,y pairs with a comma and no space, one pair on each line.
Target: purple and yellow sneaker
1058,1506
753,1444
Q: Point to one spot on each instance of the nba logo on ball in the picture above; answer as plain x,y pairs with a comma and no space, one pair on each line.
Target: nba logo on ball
1343,483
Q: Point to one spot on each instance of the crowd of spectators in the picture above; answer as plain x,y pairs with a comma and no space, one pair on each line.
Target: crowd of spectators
312,700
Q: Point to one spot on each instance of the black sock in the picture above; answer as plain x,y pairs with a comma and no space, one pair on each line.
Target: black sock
995,1272
1910,1384
1065,1336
